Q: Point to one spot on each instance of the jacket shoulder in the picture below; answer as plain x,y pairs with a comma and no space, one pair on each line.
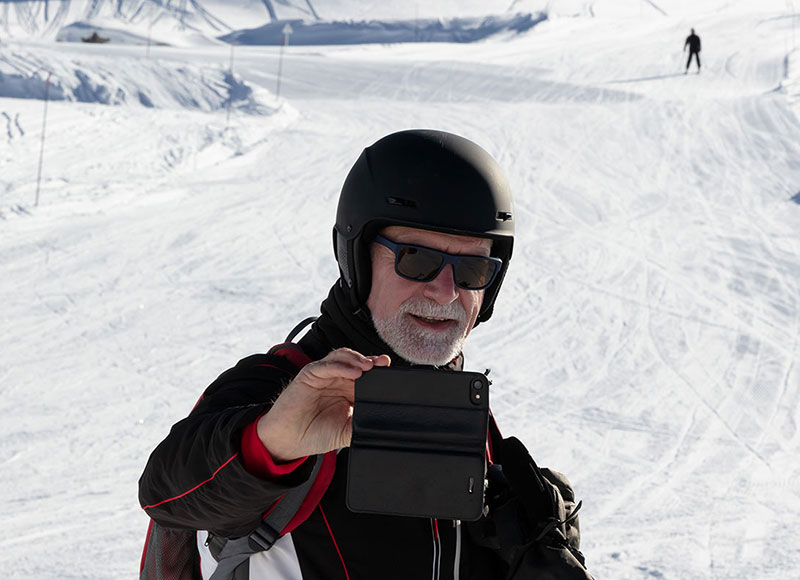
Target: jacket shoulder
256,378
286,359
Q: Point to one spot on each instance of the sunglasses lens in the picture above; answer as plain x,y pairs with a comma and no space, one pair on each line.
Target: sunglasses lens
424,264
474,273
418,264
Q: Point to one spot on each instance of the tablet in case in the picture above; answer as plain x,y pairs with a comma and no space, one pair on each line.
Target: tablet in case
419,443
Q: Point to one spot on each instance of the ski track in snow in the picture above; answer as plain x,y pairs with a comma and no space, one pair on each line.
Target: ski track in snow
645,342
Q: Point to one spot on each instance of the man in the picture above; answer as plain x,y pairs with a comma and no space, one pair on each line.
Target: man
423,238
693,42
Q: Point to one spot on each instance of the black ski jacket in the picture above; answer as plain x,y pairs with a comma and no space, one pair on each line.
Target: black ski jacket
198,484
693,42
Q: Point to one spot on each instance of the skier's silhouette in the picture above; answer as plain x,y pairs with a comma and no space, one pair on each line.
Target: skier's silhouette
693,42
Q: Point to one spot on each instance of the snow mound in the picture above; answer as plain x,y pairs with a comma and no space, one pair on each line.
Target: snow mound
459,30
125,80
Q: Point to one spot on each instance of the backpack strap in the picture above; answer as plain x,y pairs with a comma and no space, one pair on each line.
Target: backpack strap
233,552
494,441
296,330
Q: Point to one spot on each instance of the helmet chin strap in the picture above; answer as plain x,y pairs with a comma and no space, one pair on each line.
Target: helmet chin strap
342,258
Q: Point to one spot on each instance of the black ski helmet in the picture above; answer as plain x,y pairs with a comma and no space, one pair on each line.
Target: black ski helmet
424,179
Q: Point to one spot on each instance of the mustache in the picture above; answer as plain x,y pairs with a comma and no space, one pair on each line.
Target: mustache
428,309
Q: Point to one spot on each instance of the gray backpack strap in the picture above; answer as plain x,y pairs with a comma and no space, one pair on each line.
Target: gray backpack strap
234,552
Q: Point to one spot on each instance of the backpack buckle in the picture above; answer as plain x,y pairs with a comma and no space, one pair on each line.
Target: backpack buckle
263,537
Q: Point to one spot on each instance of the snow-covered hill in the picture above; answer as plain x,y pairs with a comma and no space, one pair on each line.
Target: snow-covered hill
187,23
646,340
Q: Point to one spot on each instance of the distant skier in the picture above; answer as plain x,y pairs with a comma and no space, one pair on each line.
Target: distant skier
693,42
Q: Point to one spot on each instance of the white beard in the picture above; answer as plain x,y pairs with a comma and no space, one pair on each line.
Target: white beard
419,345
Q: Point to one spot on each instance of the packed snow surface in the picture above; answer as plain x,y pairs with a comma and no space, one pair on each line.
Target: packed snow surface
645,342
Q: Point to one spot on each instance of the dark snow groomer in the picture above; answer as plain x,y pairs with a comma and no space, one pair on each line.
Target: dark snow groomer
260,480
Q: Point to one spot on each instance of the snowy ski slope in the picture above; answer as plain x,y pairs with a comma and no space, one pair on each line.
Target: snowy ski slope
645,343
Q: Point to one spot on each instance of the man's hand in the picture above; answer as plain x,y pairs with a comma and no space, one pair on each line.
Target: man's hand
314,414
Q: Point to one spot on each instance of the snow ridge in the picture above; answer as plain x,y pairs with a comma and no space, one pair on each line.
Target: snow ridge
380,32
111,80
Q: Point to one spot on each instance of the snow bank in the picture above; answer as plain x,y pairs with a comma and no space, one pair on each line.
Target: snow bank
126,80
380,32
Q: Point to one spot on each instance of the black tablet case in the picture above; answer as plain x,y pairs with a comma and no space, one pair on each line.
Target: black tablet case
419,443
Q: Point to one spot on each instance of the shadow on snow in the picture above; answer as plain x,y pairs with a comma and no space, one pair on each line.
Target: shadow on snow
641,79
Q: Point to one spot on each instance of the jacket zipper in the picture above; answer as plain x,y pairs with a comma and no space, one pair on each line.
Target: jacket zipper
457,557
437,550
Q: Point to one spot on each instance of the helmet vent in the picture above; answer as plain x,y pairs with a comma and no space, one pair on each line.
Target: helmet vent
401,202
503,216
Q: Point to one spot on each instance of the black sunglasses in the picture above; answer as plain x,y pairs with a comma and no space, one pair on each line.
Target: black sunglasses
423,264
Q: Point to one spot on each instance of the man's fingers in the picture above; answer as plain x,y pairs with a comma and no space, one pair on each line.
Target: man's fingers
381,360
343,363
348,354
314,413
331,370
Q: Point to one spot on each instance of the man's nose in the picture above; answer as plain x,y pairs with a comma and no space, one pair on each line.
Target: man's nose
442,289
